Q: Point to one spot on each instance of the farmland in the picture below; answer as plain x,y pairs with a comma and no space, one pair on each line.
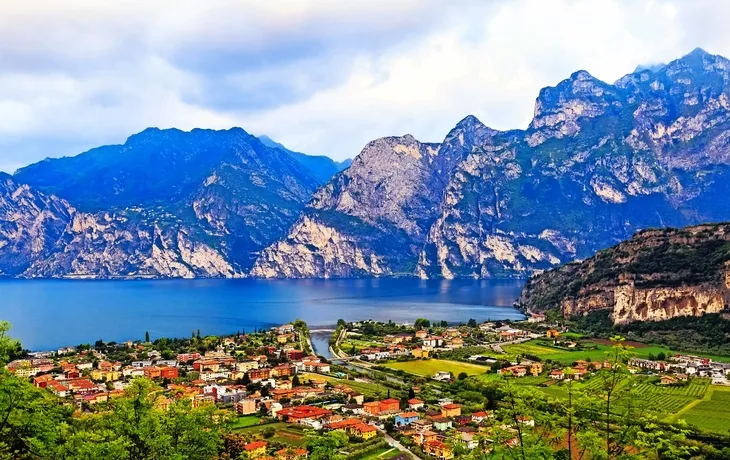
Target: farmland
546,351
368,389
429,367
712,413
285,433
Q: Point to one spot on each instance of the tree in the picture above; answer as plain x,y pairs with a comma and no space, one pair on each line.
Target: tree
472,322
326,446
463,376
147,337
422,323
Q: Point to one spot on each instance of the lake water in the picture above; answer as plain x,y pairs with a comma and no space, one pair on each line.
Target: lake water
46,314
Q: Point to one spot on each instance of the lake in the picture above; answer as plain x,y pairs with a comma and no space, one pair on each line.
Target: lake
47,314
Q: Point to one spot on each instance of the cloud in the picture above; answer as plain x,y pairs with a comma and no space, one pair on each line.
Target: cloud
320,76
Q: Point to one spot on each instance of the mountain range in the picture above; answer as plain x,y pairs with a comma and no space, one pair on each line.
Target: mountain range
598,162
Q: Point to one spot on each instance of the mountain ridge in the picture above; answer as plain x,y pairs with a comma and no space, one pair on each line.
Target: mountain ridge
597,162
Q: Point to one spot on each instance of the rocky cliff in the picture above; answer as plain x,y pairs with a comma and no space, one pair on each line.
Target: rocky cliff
44,236
654,276
598,162
169,203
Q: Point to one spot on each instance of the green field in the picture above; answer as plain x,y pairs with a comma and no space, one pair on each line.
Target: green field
429,367
368,389
545,351
285,433
712,413
245,421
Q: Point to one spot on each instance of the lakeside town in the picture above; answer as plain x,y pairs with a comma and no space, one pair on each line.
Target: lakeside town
395,390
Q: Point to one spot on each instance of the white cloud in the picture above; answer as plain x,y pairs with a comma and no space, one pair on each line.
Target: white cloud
318,76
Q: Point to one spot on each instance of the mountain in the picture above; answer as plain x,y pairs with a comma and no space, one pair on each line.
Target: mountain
657,275
220,192
597,163
321,166
373,218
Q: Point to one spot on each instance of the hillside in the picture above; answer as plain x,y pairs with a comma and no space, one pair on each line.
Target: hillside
657,275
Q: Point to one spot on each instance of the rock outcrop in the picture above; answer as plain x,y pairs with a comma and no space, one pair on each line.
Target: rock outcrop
655,276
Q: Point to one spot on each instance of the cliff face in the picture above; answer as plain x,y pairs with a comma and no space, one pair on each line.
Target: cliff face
598,162
44,236
374,217
170,203
656,275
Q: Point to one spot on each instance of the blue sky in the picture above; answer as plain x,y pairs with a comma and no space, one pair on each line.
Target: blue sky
320,76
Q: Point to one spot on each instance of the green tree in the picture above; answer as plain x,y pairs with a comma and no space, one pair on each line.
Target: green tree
147,337
326,446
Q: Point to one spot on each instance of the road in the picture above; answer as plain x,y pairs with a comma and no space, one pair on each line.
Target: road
398,445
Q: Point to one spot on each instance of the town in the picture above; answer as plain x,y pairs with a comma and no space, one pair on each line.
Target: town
393,391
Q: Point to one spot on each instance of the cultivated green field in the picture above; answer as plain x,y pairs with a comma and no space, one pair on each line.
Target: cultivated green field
429,367
368,389
545,351
245,421
382,454
285,433
712,413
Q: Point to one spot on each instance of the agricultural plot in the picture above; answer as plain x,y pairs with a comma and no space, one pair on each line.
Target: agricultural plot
245,421
712,413
429,367
285,433
368,389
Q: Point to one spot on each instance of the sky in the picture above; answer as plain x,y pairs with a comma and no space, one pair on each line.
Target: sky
320,76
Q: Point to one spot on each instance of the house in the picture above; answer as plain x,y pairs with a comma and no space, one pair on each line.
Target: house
668,380
371,408
344,425
290,453
283,370
389,405
296,414
521,419
456,342
419,352
421,334
42,381
479,417
515,371
284,338
534,367
58,388
438,449
364,431
442,376
421,425
256,375
256,448
536,318
246,407
552,334
557,374
450,410
415,404
285,329
405,418
420,438
441,423
294,354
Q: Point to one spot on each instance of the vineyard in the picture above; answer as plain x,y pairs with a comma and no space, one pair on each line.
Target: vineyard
712,413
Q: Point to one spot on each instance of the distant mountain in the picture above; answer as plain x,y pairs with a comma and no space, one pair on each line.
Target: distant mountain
598,162
321,166
223,189
657,275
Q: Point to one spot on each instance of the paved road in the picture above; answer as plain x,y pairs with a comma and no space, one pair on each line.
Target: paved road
398,445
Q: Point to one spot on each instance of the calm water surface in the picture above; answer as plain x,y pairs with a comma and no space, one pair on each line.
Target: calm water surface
46,314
